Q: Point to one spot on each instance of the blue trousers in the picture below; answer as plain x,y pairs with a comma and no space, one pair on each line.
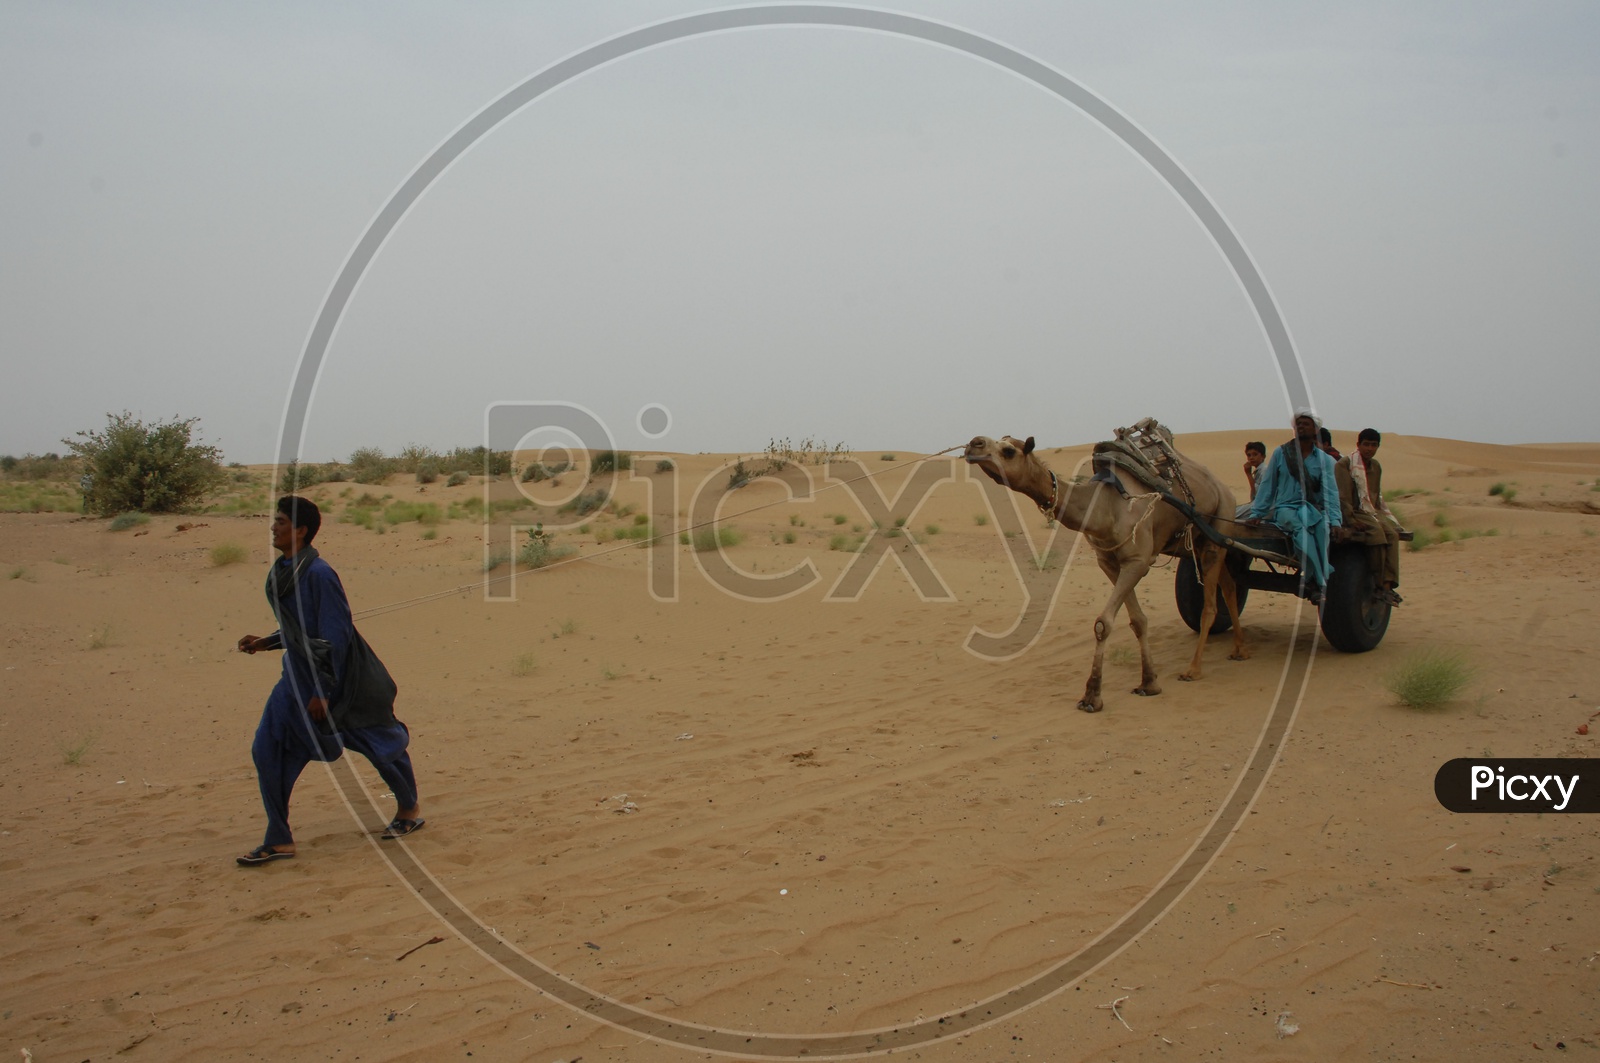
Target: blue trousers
1308,530
285,743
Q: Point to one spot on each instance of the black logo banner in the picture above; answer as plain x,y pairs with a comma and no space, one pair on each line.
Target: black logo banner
1508,784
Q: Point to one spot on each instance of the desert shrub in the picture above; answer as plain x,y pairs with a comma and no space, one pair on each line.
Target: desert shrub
73,752
585,503
296,476
38,467
155,468
369,465
635,531
228,554
1497,489
457,478
808,451
665,465
478,461
541,549
711,538
359,514
131,519
887,457
425,513
413,456
38,497
427,470
1428,678
535,472
495,560
610,461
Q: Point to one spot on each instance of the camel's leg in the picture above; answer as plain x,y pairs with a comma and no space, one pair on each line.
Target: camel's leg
1230,598
1211,556
1148,687
1124,578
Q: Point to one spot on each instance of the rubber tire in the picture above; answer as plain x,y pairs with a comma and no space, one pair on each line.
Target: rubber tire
1189,594
1352,620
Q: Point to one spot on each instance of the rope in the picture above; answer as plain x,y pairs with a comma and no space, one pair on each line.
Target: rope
1137,524
421,599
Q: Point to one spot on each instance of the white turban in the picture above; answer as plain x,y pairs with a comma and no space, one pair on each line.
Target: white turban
1306,411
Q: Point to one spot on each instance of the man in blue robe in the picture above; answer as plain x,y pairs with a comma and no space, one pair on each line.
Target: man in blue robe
1298,492
310,715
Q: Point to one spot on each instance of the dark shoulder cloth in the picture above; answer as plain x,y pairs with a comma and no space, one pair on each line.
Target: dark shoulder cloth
366,698
1307,472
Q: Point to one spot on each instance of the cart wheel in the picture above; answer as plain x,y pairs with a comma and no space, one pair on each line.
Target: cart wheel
1191,601
1352,619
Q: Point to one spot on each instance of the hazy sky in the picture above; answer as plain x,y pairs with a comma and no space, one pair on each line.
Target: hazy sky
798,231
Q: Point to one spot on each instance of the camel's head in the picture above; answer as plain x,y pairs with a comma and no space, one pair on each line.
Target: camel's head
1007,461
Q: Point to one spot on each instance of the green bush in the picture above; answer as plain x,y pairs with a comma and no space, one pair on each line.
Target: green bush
228,554
705,539
610,461
540,549
426,513
38,467
414,456
131,519
1428,678
427,470
636,531
478,461
38,497
156,468
457,478
369,465
586,502
295,476
665,465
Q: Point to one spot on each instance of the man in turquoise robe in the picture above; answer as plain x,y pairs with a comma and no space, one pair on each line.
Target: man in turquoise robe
1297,491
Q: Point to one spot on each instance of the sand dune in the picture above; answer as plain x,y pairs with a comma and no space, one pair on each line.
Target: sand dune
805,815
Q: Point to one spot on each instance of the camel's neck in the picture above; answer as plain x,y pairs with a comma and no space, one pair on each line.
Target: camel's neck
1073,504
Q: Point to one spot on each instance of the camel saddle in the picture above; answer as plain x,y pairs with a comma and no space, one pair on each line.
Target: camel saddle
1146,452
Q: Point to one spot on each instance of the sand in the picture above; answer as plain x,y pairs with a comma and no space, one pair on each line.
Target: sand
800,816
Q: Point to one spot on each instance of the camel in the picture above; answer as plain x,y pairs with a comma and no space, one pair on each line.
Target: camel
1127,535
